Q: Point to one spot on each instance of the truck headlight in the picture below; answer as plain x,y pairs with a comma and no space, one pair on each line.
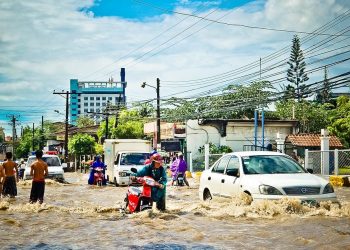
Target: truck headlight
269,190
328,189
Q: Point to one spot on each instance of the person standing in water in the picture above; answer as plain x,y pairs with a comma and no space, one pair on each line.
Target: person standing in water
38,170
2,178
9,187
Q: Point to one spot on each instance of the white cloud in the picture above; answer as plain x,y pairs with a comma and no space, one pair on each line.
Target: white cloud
45,43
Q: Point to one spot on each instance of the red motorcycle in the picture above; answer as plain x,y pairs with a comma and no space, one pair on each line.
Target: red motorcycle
98,176
138,197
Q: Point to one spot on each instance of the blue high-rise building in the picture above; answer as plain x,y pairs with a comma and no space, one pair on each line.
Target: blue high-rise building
91,97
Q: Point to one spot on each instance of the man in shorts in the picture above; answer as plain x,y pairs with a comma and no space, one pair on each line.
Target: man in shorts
38,170
2,177
9,187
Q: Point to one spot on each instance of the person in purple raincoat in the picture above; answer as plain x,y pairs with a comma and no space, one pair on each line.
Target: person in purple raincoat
177,167
97,163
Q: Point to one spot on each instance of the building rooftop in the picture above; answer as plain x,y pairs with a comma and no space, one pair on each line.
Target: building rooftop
312,140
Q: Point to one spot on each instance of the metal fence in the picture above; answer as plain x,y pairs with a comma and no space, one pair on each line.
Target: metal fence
327,161
198,164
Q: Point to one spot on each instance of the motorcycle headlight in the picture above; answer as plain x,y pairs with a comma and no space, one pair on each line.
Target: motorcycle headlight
266,189
328,189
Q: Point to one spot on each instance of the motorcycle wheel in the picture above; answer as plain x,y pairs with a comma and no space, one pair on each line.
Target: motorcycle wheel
99,183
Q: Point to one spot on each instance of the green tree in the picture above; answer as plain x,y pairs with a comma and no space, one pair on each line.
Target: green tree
24,146
324,95
236,101
84,121
81,144
312,117
296,73
130,126
340,120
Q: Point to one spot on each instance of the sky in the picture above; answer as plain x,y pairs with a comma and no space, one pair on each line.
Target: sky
45,43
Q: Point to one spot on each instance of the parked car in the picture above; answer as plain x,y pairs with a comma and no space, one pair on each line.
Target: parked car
263,175
54,166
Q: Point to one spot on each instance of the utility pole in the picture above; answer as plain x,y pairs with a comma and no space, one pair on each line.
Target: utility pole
42,134
158,108
158,113
67,93
66,130
33,138
13,121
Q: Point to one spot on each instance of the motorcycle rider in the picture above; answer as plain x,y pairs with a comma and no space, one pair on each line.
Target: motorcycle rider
157,172
97,164
179,166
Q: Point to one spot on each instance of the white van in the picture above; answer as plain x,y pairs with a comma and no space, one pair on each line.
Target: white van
54,166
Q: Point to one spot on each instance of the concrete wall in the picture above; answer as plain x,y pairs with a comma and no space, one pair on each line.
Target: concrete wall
238,134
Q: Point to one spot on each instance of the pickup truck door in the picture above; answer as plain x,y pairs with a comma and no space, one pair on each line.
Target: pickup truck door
230,185
215,178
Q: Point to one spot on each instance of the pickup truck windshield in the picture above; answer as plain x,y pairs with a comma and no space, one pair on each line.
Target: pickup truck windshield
133,158
51,161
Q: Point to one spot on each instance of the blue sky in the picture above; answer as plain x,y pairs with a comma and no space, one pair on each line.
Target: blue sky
45,43
136,10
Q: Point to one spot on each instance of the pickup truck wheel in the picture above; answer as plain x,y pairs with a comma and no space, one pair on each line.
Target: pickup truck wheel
115,182
207,195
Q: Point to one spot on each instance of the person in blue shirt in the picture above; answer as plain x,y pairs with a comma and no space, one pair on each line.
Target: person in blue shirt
97,163
158,173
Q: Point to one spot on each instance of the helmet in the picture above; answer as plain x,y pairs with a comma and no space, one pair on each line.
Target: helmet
153,152
156,158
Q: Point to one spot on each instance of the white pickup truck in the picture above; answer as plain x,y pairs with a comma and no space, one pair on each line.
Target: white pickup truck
123,154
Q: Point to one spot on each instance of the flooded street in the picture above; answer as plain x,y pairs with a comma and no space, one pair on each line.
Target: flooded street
78,216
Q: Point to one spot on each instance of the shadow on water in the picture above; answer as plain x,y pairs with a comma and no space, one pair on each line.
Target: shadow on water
171,246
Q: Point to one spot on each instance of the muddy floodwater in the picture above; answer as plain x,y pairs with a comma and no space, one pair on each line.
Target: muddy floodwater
78,216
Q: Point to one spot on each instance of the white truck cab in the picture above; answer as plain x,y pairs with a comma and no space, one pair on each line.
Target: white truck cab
123,154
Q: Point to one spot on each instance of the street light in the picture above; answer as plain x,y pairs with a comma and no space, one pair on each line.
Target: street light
144,84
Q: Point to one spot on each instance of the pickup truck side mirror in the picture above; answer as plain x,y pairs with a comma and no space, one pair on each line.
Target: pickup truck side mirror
310,170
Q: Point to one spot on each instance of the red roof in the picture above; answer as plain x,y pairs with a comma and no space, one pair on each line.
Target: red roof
313,140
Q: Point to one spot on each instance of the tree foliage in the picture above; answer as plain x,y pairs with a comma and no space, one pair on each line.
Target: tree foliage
214,149
130,125
296,73
340,120
84,121
235,102
312,117
324,95
81,144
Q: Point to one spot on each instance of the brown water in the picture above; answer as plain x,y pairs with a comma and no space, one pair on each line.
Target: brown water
79,216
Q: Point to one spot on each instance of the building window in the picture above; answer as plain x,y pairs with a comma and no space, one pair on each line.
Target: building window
109,98
91,98
98,98
74,115
74,103
92,110
78,111
74,91
98,104
103,98
78,106
74,109
92,104
97,110
86,98
86,110
86,104
104,104
74,97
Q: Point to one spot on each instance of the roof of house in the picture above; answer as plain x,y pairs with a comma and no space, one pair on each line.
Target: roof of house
74,130
312,140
